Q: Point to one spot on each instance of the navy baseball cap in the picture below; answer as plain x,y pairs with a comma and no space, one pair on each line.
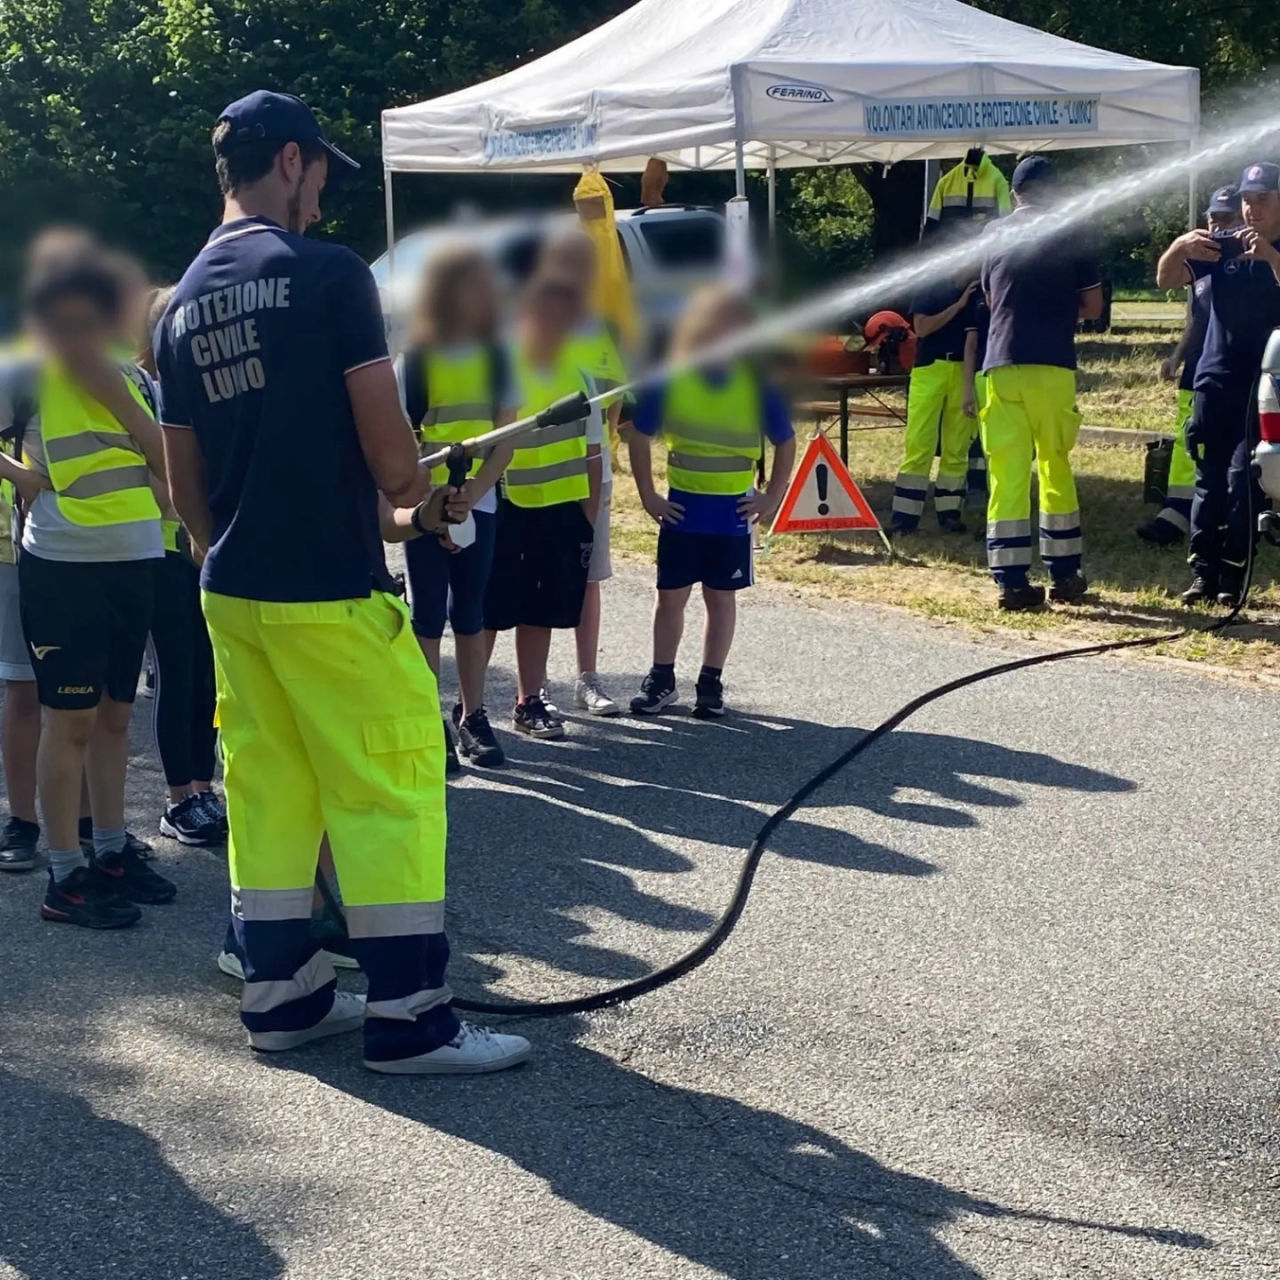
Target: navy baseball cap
277,117
1258,178
1225,200
1032,169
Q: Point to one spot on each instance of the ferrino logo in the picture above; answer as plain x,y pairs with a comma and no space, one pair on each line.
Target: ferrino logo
798,93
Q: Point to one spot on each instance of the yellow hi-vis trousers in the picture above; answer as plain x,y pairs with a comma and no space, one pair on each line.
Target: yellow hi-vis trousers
331,722
1182,471
1029,414
935,411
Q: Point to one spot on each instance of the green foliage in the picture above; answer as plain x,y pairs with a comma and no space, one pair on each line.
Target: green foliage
106,106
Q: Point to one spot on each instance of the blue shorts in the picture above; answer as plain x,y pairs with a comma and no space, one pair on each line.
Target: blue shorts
450,582
721,561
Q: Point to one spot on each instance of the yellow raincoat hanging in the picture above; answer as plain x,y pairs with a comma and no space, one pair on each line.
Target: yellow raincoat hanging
594,203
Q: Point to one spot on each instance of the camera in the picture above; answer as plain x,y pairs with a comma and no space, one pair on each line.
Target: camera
1229,243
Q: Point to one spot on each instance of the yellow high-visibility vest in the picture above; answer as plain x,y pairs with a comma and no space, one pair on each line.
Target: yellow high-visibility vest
713,432
97,471
979,192
459,396
552,467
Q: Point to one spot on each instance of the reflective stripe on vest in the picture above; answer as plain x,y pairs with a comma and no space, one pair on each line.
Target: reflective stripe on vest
96,469
460,402
713,433
552,467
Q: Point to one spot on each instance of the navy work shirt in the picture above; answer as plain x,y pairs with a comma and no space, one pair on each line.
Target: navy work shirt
1199,325
1034,292
252,353
946,343
1244,306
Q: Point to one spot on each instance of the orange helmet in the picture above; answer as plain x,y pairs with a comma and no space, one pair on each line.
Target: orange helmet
889,326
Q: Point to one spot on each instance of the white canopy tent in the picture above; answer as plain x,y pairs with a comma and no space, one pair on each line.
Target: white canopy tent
724,84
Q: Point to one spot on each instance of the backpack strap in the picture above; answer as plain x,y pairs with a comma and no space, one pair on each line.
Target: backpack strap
499,376
145,386
416,391
22,404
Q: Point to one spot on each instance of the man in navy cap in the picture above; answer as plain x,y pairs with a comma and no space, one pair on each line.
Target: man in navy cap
283,423
1173,521
1036,293
1244,306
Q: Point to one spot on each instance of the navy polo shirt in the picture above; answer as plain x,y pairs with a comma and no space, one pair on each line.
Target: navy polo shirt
1244,306
977,319
946,343
1033,291
1199,325
252,353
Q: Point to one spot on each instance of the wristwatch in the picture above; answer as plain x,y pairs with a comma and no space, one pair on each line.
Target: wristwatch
416,521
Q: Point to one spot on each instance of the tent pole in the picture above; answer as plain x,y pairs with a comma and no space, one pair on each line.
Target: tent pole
1193,218
391,223
740,169
773,200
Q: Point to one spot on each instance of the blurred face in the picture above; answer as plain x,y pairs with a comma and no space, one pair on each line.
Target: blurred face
477,301
75,329
552,316
1262,213
305,183
577,259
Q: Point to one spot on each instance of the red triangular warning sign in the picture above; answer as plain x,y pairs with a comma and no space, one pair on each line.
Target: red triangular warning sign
822,495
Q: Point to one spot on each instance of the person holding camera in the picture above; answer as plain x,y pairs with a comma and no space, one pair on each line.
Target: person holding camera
1244,306
1172,522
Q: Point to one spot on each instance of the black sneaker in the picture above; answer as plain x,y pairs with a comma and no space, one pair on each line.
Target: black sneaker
1160,533
189,823
81,898
451,764
215,809
656,693
952,524
1201,591
18,846
1020,599
532,717
708,699
1069,590
138,847
477,741
131,878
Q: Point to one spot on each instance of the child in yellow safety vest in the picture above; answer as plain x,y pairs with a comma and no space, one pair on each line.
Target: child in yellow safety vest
550,504
456,382
716,421
592,343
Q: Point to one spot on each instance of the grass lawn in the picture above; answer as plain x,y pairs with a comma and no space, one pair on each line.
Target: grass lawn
946,580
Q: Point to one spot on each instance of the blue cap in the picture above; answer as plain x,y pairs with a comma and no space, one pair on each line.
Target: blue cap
277,117
1032,169
1258,178
1225,200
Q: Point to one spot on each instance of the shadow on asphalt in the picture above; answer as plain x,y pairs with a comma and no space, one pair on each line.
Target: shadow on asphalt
748,1192
84,1196
584,816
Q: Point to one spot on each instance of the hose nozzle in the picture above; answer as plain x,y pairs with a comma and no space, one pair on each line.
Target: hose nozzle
566,409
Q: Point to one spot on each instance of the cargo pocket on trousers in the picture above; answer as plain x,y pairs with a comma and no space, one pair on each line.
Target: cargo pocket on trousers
1069,429
408,749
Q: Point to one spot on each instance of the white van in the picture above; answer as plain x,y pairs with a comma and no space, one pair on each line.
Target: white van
669,252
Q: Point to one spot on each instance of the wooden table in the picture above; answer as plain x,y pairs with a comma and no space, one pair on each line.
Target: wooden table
867,384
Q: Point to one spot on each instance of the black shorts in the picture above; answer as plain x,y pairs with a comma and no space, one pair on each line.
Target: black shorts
540,561
86,627
721,561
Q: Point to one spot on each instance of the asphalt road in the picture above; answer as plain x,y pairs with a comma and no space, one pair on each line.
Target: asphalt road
1004,1004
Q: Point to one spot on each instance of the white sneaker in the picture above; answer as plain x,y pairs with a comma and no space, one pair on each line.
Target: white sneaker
473,1051
231,966
591,697
347,1014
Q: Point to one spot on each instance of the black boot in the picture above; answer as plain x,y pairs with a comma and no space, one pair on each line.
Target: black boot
1069,590
1021,598
1202,590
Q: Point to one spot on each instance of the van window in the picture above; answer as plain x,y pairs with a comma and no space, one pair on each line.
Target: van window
682,243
